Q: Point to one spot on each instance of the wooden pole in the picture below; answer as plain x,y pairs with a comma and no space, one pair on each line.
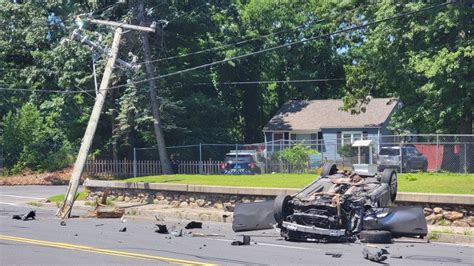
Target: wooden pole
65,210
155,104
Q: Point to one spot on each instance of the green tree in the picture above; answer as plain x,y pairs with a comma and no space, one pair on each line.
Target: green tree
34,140
425,60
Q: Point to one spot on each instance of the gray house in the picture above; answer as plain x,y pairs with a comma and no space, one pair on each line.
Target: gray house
322,125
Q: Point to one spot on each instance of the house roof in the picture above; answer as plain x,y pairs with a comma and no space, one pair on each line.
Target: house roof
316,114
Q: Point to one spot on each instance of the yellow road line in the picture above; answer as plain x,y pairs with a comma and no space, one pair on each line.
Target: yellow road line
100,250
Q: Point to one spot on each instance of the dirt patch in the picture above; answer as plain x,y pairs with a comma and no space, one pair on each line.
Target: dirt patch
60,177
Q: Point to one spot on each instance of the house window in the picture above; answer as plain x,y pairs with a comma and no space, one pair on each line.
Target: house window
278,141
349,137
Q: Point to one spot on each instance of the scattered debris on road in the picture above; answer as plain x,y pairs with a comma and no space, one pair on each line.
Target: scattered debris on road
193,225
375,255
334,254
123,230
97,225
62,223
245,241
30,215
162,229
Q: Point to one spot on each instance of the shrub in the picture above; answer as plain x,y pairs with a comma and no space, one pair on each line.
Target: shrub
297,155
347,151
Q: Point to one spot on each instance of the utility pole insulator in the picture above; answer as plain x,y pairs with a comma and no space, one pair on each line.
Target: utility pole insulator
96,47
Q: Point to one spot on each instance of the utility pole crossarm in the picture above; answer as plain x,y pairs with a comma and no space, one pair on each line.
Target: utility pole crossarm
123,25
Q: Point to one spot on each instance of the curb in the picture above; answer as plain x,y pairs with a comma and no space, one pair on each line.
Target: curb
402,197
452,238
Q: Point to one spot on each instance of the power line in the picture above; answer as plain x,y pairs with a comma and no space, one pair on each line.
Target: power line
271,81
283,45
186,13
48,91
244,41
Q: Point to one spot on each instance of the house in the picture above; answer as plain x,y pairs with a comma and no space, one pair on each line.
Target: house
321,124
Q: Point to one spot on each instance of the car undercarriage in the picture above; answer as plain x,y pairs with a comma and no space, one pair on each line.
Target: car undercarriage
338,206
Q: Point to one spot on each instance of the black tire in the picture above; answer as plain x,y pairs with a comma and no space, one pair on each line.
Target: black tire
281,209
376,236
328,169
389,177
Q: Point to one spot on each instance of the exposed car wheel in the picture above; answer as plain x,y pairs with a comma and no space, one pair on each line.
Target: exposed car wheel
376,236
328,169
280,208
389,177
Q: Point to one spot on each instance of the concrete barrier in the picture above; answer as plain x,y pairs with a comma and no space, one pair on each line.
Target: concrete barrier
402,197
451,199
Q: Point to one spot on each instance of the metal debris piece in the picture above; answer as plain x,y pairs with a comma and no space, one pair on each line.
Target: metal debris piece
193,225
177,234
123,229
30,215
97,225
334,254
162,229
62,223
245,241
376,255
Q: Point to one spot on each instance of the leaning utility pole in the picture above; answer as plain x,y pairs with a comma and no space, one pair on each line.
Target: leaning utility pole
65,210
155,104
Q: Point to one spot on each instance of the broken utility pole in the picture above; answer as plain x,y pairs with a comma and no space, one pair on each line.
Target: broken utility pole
65,210
155,104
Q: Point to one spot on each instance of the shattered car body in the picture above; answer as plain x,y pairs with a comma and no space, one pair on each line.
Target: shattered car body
337,207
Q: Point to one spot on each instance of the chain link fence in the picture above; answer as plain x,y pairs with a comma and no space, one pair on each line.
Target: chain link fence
405,153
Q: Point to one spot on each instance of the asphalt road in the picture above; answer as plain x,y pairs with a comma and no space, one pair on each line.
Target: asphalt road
98,241
21,195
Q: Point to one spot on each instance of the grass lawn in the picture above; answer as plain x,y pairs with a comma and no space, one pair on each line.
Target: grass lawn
413,182
60,198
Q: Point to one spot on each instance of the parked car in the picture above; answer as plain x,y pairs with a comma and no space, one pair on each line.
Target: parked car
338,206
242,162
404,158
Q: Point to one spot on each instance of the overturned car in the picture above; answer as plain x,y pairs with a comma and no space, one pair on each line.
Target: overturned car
338,206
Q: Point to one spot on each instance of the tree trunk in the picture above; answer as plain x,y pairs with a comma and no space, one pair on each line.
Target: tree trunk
155,104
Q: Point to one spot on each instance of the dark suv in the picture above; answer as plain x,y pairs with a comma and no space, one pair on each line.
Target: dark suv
241,163
405,158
